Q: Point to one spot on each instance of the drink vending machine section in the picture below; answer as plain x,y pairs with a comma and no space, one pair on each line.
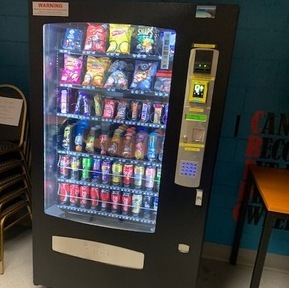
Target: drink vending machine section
107,89
196,112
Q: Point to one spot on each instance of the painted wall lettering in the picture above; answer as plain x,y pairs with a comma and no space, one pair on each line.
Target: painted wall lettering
268,145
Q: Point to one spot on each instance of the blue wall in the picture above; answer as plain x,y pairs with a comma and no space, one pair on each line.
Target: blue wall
14,43
258,88
259,82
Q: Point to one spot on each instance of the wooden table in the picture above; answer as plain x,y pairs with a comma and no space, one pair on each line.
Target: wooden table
272,185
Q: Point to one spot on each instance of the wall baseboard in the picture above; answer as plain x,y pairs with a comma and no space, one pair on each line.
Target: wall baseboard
246,257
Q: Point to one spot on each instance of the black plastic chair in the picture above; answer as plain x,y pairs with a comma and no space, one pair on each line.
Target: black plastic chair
15,181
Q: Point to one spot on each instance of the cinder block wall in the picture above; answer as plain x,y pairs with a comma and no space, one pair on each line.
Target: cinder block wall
258,91
14,43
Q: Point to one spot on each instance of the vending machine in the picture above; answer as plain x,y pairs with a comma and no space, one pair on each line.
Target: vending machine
126,109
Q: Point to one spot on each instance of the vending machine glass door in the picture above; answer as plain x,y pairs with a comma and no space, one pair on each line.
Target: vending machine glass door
106,100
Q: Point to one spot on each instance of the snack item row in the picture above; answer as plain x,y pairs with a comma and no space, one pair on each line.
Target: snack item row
122,141
118,74
96,105
117,38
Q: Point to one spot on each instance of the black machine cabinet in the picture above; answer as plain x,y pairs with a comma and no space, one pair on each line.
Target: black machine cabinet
153,239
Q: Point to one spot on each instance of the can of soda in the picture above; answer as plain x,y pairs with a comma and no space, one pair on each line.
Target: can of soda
147,204
86,167
126,203
105,199
116,173
96,170
84,195
64,163
150,177
74,194
127,174
105,171
115,201
64,193
94,197
138,175
75,168
136,204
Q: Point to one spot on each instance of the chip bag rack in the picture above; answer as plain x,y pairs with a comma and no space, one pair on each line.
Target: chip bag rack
143,52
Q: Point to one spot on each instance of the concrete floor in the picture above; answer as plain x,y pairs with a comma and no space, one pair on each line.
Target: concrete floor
213,274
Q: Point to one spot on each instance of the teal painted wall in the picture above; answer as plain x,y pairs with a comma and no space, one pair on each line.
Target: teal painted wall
258,90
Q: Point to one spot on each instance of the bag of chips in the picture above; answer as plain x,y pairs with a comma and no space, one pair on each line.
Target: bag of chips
118,78
72,69
120,38
146,39
163,81
96,69
72,39
144,74
96,37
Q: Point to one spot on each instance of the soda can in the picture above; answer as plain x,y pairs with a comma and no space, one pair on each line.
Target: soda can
150,177
115,201
64,163
74,194
116,173
105,171
94,197
75,168
84,195
86,167
136,204
127,174
147,204
105,199
138,175
64,193
152,146
96,170
126,203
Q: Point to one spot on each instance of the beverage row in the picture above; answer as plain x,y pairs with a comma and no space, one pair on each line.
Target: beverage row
104,72
121,141
119,38
86,104
134,176
112,201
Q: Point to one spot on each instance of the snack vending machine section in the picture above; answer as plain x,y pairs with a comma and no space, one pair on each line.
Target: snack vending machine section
107,90
196,112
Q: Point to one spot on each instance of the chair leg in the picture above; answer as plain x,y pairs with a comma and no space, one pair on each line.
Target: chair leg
2,246
2,222
26,169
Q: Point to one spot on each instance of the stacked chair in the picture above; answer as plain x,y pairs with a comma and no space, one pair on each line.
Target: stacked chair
15,182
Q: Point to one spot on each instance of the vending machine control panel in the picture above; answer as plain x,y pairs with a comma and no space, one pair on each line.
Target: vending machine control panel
201,75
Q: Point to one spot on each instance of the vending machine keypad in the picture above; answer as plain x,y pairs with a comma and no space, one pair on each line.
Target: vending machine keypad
189,169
